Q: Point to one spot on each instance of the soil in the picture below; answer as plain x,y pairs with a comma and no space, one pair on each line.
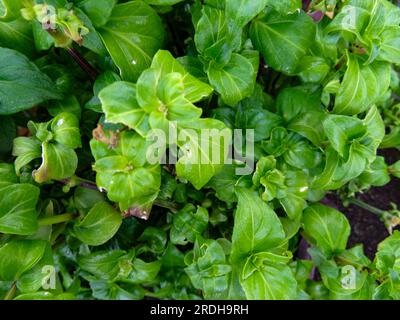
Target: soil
366,227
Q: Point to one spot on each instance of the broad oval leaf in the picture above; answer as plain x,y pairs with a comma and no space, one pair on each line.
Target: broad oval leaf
99,225
132,35
18,256
283,39
235,81
362,86
327,228
22,84
18,209
257,227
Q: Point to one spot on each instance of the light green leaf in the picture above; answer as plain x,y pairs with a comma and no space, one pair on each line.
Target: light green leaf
257,227
58,162
10,9
270,282
132,35
99,11
243,11
99,225
120,106
235,81
19,256
201,158
65,128
187,224
195,90
328,228
214,38
25,149
362,86
18,209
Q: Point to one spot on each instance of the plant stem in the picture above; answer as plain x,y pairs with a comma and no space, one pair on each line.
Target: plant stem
60,218
11,293
83,63
166,204
367,207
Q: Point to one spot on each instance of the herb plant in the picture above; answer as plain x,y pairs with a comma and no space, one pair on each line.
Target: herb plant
91,209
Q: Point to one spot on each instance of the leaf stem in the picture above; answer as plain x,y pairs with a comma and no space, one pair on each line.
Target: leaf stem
60,218
166,204
11,293
367,207
83,63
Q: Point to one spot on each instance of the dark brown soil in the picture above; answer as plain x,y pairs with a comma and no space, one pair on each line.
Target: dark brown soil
366,227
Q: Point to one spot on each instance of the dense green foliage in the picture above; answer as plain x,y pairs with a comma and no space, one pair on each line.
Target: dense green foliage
84,212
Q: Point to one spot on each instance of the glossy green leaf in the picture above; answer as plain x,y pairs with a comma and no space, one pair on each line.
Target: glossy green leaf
327,227
362,86
235,81
195,90
18,256
98,11
242,11
276,36
99,225
187,224
257,227
58,162
17,35
18,209
132,35
199,161
23,85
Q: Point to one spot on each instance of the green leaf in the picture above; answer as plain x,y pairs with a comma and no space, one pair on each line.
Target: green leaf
132,35
120,106
209,271
65,128
22,84
18,209
390,46
342,130
278,38
362,86
235,81
19,256
309,125
294,101
9,9
187,224
203,154
214,38
327,228
195,90
17,35
33,279
7,175
103,264
163,2
257,227
92,40
58,162
313,69
242,11
7,134
99,225
26,150
270,282
98,11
